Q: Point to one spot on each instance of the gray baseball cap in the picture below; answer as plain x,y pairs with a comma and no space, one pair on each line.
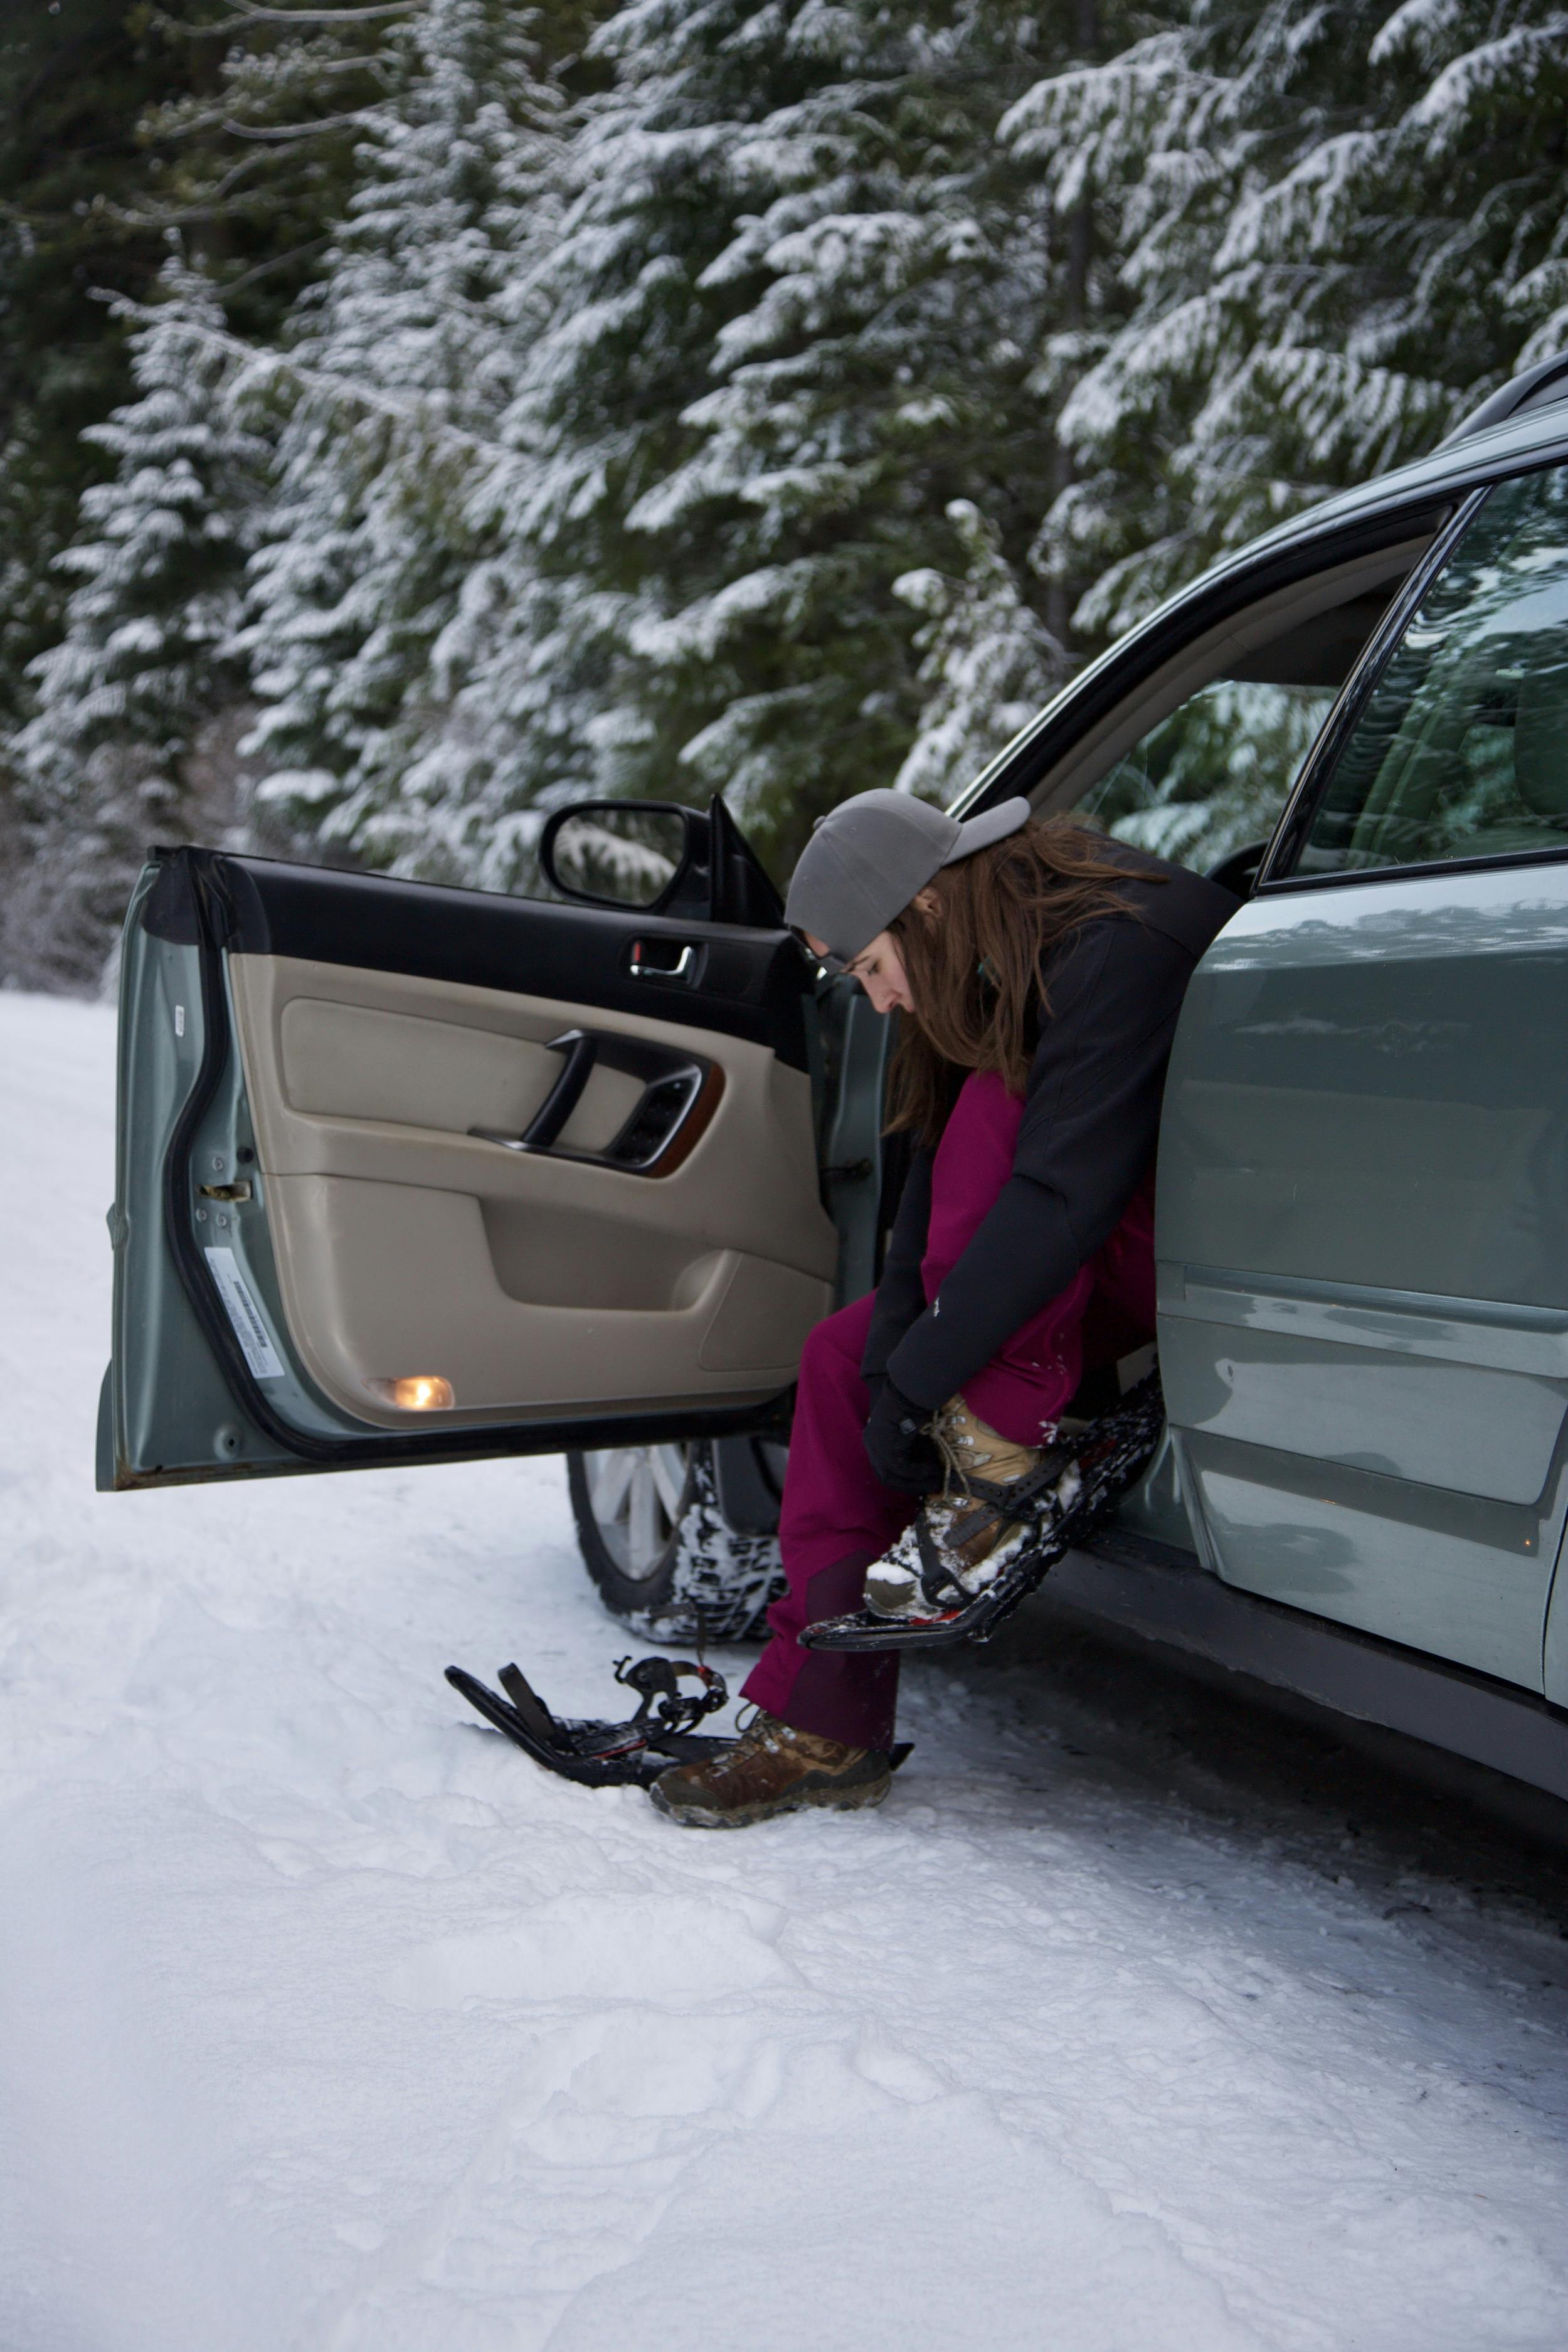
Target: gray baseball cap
870,856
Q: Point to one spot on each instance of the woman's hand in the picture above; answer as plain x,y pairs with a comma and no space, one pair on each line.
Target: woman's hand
901,1453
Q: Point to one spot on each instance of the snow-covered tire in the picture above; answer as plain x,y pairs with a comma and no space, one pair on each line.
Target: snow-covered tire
657,1545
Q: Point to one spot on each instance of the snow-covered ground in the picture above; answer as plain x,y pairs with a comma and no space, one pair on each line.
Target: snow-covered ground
1132,2022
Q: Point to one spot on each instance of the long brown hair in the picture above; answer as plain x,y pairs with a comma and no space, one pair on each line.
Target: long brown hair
974,969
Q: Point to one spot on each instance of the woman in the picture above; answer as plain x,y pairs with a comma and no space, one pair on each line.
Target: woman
1040,970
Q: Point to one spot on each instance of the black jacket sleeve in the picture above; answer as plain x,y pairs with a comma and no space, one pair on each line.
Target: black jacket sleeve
1091,1121
901,1294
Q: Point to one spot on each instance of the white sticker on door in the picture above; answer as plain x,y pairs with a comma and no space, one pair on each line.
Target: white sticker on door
246,1316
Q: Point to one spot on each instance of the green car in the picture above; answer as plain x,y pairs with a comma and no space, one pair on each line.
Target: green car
415,1174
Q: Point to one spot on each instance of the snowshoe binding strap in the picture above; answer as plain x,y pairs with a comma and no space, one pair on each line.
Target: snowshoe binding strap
1032,1502
527,1703
660,1678
1110,1456
605,1754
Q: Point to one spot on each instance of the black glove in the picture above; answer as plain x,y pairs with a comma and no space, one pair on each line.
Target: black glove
901,1453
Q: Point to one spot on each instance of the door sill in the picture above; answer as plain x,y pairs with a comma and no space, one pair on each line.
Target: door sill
1163,1593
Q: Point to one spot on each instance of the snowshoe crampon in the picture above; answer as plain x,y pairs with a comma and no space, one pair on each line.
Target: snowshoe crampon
605,1755
1056,1509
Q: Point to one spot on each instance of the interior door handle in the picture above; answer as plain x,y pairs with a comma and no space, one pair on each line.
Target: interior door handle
581,1049
640,969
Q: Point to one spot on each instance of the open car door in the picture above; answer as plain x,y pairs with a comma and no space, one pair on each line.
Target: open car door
409,1173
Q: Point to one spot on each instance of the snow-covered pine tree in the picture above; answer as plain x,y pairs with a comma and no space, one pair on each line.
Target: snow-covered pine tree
989,660
253,145
603,394
1332,231
379,563
705,447
1442,240
871,303
109,759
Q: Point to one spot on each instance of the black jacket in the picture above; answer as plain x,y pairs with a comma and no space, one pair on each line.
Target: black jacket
1091,1117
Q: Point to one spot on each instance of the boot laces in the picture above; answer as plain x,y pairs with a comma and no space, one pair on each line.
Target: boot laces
948,1447
944,1431
764,1734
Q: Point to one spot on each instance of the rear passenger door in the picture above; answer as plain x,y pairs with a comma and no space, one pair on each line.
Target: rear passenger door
1363,1175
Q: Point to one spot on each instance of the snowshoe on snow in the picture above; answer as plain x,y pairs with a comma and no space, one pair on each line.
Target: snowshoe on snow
1055,1507
606,1755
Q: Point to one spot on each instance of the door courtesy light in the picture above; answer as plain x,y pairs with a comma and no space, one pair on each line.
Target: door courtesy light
418,1392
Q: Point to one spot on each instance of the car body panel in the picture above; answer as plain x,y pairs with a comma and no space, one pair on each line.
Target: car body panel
1362,1235
1554,1661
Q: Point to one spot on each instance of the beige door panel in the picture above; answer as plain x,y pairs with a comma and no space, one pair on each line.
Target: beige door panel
388,1280
536,1285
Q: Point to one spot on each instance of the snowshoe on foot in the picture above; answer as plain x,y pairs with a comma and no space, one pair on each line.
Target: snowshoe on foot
605,1755
959,1539
927,1595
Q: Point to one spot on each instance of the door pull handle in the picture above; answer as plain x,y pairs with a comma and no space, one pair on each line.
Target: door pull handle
581,1050
679,1094
640,969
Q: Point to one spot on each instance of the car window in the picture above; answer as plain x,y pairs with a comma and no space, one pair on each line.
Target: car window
1214,775
1461,748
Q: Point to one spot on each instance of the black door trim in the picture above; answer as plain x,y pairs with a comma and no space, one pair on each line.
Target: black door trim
1277,874
746,983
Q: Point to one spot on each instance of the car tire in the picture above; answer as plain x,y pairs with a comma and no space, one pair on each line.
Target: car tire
660,1551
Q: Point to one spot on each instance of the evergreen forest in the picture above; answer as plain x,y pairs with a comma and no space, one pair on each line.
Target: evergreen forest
416,414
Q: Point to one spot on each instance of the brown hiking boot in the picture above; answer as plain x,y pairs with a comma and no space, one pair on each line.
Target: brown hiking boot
771,1769
971,1448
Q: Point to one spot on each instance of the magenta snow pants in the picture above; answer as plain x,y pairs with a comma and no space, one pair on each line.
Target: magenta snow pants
837,1516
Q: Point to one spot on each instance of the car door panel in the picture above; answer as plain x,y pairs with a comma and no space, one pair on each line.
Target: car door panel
532,1283
325,1190
1364,1255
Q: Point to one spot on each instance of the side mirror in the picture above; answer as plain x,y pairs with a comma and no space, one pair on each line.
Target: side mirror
658,857
617,853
